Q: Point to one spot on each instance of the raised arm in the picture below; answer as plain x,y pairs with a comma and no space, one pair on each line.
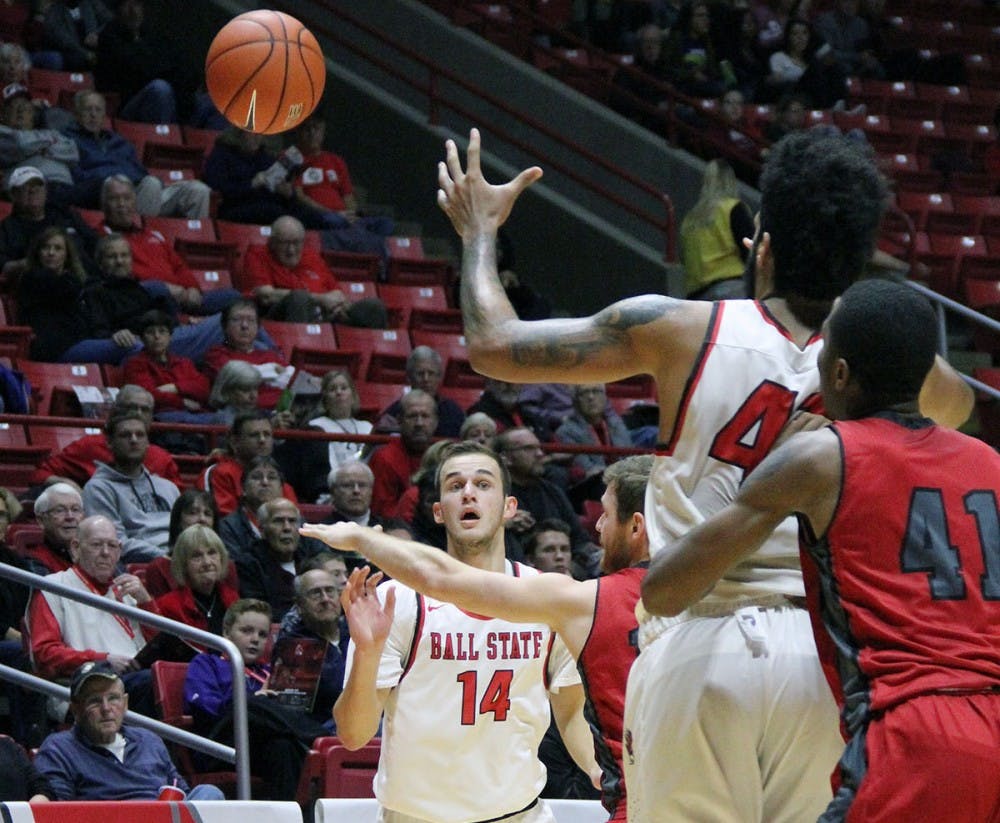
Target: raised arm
802,476
635,336
358,710
553,599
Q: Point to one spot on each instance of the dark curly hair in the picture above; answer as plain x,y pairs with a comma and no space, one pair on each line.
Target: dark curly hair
822,199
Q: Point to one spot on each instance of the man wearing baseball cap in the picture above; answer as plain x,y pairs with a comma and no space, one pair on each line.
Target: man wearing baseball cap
33,211
102,759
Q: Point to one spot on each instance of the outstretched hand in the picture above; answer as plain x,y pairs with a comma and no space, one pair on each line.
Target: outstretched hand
368,620
344,536
472,204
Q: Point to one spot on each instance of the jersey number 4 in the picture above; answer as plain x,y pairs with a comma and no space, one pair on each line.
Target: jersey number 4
495,699
927,544
748,435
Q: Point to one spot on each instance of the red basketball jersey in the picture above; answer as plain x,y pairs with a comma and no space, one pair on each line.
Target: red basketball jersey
910,565
604,664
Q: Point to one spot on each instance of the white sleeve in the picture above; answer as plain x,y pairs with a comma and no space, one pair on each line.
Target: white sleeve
562,668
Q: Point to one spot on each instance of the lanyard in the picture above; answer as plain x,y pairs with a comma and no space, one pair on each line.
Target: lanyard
125,624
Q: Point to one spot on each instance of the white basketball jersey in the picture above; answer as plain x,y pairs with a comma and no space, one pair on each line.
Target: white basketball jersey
468,708
749,379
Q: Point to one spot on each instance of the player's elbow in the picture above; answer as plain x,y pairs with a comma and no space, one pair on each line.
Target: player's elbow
352,742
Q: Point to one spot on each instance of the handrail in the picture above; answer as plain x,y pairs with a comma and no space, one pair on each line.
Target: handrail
240,754
435,101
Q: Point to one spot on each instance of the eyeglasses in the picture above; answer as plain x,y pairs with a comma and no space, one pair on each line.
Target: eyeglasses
315,595
526,446
264,478
62,511
353,484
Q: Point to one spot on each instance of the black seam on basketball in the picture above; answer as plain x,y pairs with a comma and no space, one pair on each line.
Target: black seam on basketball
249,80
284,77
305,67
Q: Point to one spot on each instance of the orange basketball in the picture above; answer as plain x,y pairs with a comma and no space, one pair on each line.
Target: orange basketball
265,71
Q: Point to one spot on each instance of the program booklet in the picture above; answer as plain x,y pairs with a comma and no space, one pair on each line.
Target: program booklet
296,665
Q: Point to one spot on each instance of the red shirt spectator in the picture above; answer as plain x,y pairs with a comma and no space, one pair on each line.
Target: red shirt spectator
225,481
143,370
77,461
154,258
393,466
325,180
311,273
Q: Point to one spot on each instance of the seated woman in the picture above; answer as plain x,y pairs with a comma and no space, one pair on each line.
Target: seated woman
199,563
180,391
337,413
193,507
240,324
49,295
806,66
234,391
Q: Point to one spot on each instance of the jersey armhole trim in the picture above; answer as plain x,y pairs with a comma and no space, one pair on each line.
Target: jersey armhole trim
418,630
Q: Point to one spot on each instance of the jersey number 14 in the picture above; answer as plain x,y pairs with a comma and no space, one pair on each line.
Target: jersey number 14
495,699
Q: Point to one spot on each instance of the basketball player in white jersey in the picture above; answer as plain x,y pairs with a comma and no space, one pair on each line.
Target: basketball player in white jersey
465,697
727,717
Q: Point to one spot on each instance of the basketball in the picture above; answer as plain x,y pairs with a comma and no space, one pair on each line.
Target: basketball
265,71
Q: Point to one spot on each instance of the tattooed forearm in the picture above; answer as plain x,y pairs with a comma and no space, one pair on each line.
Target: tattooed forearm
480,285
559,347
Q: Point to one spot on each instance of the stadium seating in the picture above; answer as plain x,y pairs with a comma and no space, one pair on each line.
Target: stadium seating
52,384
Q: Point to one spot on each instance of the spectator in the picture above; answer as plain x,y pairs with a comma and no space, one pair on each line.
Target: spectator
14,64
691,56
351,497
179,390
591,423
153,257
235,391
66,634
240,327
416,506
237,168
140,66
325,184
807,66
502,402
262,481
71,28
548,547
292,282
317,615
58,510
128,494
712,235
77,463
250,436
424,372
31,213
548,404
21,144
849,35
113,304
737,44
20,780
104,153
639,91
337,414
199,564
734,134
50,295
267,570
279,737
772,19
789,116
26,708
102,759
395,463
478,426
539,499
193,507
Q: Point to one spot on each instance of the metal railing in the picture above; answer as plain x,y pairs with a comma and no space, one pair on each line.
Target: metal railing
240,755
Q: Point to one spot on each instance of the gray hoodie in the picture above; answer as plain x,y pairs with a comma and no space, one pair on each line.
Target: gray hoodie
139,506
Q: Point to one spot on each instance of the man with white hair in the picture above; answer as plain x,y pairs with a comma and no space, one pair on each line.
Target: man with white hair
59,510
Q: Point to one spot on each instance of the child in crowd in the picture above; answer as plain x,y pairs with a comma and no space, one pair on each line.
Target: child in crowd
279,737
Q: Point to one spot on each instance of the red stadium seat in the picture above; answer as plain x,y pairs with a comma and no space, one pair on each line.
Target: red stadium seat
200,138
212,279
393,344
289,336
138,134
52,384
353,266
172,228
350,773
51,85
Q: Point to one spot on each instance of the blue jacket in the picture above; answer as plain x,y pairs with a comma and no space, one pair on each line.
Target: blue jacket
103,155
79,770
208,687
